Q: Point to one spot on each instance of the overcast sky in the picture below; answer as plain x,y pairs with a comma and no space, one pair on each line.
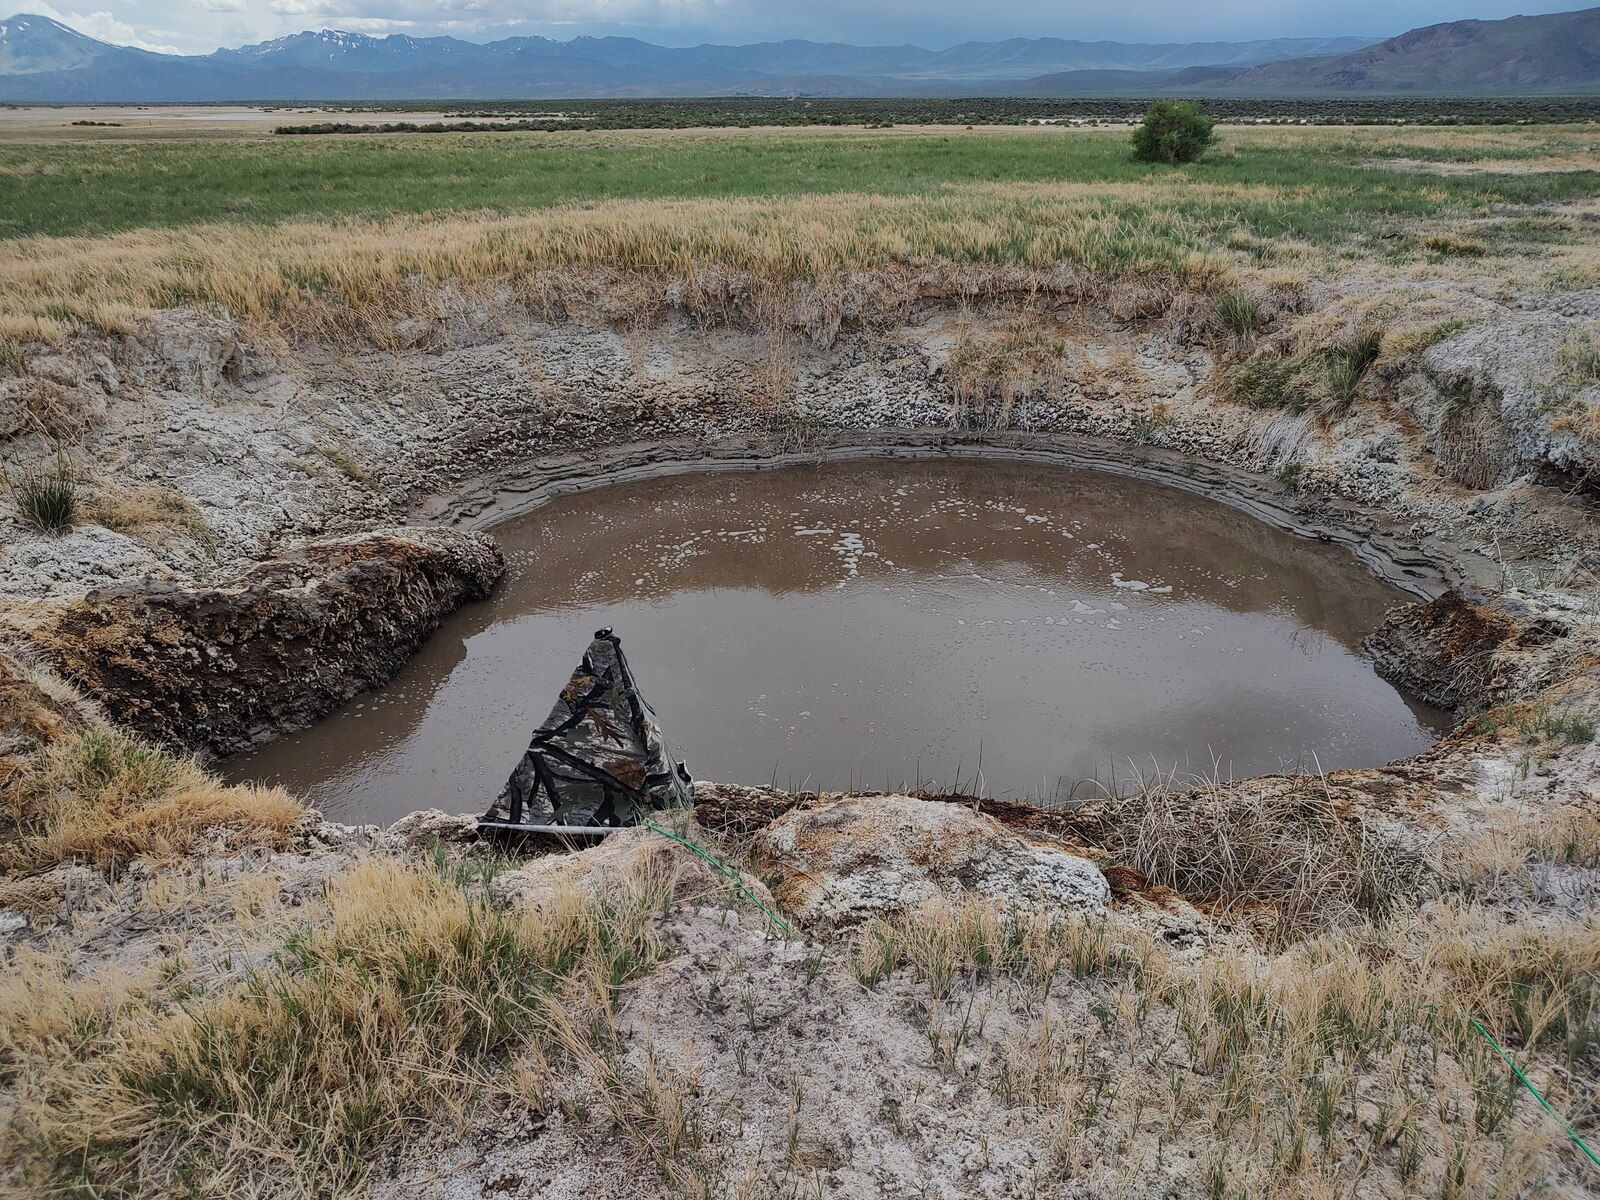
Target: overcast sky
198,26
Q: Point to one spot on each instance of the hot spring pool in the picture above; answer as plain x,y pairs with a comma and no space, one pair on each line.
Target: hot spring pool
1018,630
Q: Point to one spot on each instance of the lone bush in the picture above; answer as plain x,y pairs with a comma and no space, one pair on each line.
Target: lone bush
1173,131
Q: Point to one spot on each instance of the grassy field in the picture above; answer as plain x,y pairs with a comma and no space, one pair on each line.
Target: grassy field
313,232
93,188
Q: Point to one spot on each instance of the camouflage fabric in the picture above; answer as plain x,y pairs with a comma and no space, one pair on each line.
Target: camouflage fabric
599,758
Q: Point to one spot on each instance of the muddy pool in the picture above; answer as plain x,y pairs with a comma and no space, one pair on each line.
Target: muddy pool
1026,631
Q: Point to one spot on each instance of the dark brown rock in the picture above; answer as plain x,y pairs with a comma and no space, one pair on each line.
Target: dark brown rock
219,669
1458,651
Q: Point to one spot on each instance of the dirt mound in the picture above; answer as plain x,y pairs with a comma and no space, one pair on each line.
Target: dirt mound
1460,650
217,669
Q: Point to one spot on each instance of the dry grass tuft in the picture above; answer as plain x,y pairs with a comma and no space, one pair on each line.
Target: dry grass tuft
991,371
1407,341
388,1009
1578,361
971,936
1275,854
144,510
1534,986
1453,245
653,1107
105,798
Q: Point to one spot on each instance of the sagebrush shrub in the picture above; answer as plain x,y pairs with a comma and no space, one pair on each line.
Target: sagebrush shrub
1173,131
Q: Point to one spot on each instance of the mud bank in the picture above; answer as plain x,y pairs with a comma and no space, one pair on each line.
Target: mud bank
201,450
1468,650
218,669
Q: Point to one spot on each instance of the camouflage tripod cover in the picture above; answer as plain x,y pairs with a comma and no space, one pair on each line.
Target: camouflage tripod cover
599,759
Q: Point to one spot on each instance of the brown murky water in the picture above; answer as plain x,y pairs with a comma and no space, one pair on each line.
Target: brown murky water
875,624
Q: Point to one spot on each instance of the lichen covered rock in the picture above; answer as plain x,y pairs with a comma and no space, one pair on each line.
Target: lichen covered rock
840,861
218,669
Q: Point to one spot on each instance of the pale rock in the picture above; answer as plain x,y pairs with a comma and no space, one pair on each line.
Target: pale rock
842,861
434,825
623,858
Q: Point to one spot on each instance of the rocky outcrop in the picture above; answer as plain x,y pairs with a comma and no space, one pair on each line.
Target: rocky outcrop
1460,651
839,861
217,669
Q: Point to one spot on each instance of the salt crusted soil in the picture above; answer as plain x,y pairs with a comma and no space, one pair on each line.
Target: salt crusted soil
807,1082
754,1060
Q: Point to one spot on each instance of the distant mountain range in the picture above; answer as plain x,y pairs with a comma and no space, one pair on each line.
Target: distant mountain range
1549,54
44,60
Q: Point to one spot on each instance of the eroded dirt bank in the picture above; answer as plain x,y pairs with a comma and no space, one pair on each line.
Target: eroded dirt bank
217,669
200,452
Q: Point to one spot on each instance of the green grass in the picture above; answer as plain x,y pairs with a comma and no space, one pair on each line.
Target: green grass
46,497
1240,315
1325,185
1558,725
1324,380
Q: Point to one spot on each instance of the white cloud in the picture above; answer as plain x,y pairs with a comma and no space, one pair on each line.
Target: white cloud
468,16
104,26
377,24
221,6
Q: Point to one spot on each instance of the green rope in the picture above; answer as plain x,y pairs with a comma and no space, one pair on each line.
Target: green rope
1572,1133
725,870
